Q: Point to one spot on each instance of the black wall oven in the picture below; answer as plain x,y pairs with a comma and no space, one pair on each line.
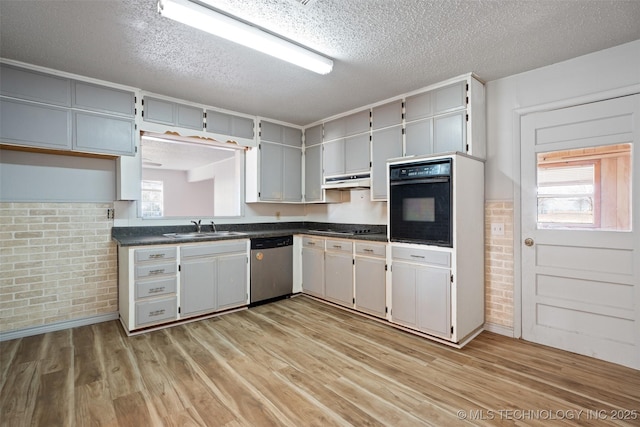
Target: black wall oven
420,202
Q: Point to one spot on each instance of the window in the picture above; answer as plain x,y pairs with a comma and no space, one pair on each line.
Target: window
186,177
587,188
152,199
567,194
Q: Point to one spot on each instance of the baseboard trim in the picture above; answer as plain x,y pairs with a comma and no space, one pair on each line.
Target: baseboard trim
58,326
499,329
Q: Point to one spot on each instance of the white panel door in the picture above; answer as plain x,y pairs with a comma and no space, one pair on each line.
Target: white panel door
581,276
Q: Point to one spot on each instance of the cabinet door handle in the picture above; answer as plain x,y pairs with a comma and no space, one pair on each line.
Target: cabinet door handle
156,313
156,256
158,271
337,246
156,290
417,256
368,250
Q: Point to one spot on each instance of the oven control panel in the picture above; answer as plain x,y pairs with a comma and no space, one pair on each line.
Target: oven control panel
420,170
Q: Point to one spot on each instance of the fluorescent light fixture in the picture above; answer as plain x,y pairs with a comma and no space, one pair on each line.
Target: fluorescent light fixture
221,25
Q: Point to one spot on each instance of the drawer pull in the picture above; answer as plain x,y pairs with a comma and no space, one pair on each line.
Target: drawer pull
368,250
158,271
311,243
156,312
156,256
156,290
337,246
417,256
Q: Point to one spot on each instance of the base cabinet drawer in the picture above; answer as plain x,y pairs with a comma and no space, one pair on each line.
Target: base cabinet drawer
155,254
151,270
153,288
157,310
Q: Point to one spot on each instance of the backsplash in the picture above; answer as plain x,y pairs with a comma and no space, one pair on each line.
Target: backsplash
58,263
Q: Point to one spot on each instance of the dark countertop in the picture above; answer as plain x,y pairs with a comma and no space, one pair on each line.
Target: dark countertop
154,235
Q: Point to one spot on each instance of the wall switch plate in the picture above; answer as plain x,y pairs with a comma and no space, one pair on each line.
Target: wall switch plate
497,228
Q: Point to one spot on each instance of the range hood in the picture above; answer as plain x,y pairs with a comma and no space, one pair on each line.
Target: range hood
345,182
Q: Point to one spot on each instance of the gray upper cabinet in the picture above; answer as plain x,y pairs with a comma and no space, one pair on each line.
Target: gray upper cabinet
47,111
449,133
385,144
280,163
280,134
346,156
271,171
313,174
228,124
292,180
333,153
450,98
438,101
91,97
158,111
386,115
36,125
419,137
313,136
437,121
97,133
172,113
357,154
35,86
347,126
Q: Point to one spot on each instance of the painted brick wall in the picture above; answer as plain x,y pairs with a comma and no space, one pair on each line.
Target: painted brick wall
57,263
499,266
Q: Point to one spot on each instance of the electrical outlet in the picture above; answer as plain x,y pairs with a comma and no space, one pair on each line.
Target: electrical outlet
111,213
497,228
278,215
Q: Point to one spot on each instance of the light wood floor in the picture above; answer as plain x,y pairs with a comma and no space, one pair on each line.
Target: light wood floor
300,362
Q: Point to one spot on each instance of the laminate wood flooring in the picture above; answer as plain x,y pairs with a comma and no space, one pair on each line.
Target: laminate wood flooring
300,362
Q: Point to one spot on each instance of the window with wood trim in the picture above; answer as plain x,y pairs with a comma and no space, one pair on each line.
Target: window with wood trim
588,188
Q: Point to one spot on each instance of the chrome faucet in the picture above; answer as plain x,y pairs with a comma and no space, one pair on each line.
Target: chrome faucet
213,227
198,226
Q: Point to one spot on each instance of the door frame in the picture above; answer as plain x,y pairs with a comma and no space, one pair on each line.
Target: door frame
517,115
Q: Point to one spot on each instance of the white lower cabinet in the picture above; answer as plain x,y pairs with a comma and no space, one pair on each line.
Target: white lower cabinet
421,290
163,284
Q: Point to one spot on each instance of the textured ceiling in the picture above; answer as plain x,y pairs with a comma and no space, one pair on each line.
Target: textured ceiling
380,48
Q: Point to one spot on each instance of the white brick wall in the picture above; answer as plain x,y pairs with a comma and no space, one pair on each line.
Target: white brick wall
499,267
57,263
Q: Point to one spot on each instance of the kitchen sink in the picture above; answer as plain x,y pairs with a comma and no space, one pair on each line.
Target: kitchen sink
204,234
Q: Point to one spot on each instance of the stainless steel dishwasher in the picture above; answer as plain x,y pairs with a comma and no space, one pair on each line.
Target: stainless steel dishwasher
271,268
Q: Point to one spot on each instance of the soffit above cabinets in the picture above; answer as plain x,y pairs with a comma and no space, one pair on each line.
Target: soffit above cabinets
380,48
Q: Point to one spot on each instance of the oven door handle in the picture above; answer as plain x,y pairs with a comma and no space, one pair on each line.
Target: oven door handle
420,181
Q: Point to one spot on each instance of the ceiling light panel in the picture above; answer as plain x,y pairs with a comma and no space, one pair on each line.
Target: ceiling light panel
224,26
